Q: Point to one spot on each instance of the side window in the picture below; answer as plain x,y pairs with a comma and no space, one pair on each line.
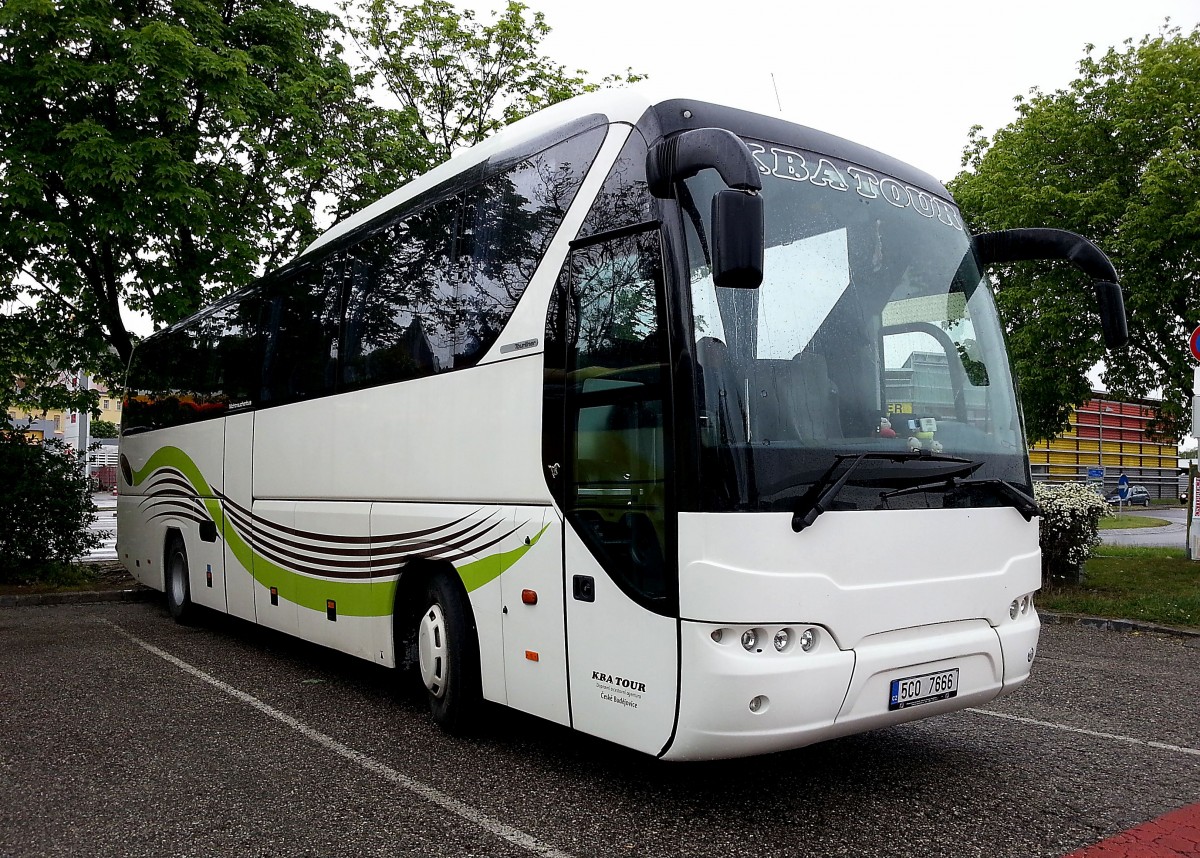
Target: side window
615,382
400,315
625,198
432,291
167,383
227,340
301,316
508,223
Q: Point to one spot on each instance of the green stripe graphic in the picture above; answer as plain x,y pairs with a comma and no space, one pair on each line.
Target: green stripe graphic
354,598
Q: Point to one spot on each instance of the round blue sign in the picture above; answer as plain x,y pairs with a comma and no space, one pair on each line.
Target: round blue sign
1194,343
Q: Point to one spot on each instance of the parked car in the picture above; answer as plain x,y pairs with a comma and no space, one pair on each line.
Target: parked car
1137,495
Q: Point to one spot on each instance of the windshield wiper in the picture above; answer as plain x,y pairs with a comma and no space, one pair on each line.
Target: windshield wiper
1023,503
815,501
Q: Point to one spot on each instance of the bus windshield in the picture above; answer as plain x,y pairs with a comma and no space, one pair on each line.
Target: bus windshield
873,330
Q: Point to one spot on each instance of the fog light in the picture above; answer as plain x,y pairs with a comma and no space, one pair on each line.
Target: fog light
1013,609
749,639
717,635
808,640
781,640
759,703
1024,604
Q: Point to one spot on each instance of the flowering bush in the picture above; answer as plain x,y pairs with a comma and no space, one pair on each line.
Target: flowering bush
1070,524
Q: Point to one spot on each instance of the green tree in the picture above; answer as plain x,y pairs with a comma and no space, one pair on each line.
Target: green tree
1114,156
458,79
155,154
103,429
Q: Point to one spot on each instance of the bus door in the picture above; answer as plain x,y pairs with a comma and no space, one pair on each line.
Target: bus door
622,646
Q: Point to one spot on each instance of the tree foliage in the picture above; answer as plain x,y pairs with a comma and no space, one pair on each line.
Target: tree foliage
458,79
48,507
103,429
1116,157
154,154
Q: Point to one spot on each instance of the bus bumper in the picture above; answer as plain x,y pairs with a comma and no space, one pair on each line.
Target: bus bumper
736,702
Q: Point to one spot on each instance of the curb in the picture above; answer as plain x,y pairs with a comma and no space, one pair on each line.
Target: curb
1102,624
84,597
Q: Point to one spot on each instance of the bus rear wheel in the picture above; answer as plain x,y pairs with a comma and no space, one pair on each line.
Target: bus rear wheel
177,585
448,655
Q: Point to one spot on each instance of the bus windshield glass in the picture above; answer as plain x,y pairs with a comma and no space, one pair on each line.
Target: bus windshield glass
874,330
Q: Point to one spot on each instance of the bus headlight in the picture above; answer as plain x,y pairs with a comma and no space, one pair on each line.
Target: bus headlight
749,640
1013,609
808,639
781,640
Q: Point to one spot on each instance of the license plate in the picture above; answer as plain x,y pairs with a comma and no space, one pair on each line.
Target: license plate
926,688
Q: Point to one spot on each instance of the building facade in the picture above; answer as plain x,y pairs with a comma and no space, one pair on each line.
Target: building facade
1109,436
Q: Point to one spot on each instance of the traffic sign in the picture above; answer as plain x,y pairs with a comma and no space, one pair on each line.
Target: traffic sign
1194,343
1095,473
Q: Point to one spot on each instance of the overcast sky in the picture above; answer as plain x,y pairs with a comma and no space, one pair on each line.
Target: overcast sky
907,78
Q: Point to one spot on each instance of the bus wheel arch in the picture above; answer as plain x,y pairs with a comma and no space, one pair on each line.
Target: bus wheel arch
176,583
436,631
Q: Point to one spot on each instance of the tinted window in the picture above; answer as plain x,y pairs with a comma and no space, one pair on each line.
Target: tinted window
229,348
434,290
401,315
625,198
194,372
507,225
301,321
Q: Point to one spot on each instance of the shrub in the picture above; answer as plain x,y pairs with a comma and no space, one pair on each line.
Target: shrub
47,508
1070,528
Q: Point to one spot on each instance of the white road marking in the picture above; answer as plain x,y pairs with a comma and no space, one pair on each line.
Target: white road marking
507,832
1162,746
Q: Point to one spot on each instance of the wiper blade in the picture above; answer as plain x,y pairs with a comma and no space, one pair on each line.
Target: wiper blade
815,501
1023,503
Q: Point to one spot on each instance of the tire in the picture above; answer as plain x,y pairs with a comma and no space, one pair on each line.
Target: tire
448,655
176,582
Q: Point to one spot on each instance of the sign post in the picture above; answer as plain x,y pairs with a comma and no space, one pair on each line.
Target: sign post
1193,536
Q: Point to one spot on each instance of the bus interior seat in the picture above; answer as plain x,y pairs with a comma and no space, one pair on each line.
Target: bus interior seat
794,400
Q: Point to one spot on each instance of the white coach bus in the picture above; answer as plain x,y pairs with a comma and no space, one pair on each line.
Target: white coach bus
685,427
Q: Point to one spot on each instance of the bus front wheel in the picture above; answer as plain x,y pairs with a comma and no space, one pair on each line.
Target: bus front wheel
179,589
448,655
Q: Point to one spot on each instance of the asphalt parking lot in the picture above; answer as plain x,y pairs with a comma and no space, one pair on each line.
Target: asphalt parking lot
122,733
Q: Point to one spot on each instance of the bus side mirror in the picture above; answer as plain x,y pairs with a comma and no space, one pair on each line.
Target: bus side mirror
1112,313
738,229
1018,245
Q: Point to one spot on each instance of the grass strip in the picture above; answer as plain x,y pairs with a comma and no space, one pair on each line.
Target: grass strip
1131,522
1153,585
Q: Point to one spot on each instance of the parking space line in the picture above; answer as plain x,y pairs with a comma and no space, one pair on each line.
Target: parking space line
513,835
1162,746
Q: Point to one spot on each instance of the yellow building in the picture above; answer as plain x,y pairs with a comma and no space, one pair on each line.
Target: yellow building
1110,434
56,423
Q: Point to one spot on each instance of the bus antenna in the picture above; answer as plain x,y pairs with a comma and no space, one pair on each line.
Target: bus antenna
776,86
